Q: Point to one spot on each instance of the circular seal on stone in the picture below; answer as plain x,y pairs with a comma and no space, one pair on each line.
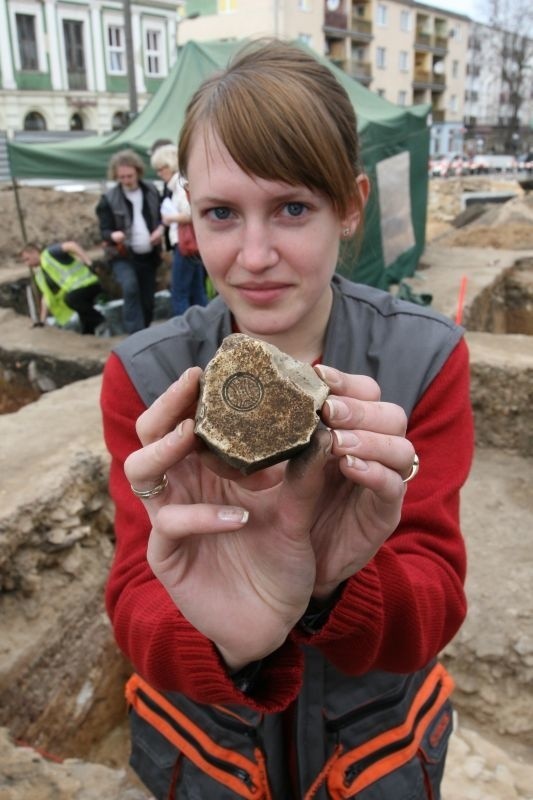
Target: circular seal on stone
242,391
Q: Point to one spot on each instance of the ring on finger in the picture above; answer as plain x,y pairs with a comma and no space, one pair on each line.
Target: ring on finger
414,469
146,494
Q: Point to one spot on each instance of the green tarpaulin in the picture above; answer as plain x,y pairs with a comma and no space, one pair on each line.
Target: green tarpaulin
394,151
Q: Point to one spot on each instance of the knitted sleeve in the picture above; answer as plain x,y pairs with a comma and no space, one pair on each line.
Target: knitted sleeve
403,607
160,643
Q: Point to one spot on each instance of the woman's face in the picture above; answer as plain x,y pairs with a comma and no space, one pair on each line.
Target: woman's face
165,173
269,248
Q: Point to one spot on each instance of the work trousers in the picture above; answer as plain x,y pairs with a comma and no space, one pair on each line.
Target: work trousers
136,277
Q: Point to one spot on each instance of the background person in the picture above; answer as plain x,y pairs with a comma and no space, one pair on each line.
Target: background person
67,285
188,273
131,228
289,621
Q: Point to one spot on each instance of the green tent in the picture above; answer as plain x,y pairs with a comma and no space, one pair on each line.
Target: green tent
394,151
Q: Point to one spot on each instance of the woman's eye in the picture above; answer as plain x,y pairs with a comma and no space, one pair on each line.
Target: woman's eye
220,212
295,209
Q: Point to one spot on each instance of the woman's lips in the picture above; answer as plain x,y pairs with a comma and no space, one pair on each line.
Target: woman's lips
262,294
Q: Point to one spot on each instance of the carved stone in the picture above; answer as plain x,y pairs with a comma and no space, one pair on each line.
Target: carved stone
257,405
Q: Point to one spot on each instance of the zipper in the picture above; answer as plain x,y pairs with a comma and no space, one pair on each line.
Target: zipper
335,725
353,771
237,772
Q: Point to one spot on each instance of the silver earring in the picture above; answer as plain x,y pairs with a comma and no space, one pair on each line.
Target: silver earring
346,232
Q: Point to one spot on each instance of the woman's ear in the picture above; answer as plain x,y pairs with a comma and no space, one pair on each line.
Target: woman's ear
352,219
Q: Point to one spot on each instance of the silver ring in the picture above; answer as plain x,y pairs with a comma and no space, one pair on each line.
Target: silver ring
414,469
145,494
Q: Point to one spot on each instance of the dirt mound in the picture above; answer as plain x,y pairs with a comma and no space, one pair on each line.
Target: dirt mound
48,215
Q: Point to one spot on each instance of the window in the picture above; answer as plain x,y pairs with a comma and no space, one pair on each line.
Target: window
455,69
74,54
380,92
403,61
119,121
381,15
33,121
304,5
405,20
27,42
227,6
455,33
381,57
453,102
76,122
116,58
402,98
305,38
153,53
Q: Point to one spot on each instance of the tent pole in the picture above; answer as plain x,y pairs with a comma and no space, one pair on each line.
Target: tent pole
19,210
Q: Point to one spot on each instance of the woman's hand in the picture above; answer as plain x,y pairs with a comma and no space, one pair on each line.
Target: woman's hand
241,556
118,237
363,492
234,553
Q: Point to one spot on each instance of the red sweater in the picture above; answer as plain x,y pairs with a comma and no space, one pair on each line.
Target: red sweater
395,614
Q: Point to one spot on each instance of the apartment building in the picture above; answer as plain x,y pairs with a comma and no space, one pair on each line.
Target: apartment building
64,66
488,110
407,52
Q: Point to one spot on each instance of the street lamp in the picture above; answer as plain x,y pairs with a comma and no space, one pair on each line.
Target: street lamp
180,20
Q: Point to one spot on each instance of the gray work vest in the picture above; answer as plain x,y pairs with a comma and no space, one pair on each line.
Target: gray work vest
379,736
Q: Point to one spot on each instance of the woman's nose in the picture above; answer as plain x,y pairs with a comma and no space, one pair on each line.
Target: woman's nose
257,251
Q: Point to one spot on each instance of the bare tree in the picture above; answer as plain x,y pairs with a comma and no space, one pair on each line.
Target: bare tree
512,55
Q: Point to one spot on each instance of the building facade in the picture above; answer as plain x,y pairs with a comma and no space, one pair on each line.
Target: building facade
492,122
64,65
408,53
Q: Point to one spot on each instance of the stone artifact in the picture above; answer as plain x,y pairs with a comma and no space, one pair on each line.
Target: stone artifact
257,405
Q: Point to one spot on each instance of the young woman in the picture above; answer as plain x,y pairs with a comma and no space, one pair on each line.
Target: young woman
284,626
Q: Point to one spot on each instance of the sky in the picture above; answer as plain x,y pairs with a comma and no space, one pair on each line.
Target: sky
472,8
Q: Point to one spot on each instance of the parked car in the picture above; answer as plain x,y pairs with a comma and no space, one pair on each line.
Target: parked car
445,166
524,162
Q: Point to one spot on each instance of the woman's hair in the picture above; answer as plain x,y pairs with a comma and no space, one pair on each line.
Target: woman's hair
165,156
282,116
125,158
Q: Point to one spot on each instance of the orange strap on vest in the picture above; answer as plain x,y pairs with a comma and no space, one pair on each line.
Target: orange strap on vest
429,699
246,778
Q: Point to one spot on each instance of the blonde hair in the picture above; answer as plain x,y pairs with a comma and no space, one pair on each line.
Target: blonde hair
165,156
282,116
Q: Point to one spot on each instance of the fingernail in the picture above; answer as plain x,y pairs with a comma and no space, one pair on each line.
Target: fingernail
328,374
347,439
230,514
337,409
356,463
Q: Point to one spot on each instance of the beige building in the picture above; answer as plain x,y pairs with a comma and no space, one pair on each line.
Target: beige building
235,19
407,52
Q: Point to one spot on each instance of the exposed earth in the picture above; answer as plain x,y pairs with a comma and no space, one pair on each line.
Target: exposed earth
62,732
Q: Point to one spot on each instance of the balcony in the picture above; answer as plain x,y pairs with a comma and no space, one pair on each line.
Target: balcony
438,115
427,42
335,21
428,80
360,70
361,29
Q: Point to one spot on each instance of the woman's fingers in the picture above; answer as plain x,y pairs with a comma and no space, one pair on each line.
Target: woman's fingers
174,405
350,414
394,452
342,383
144,468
